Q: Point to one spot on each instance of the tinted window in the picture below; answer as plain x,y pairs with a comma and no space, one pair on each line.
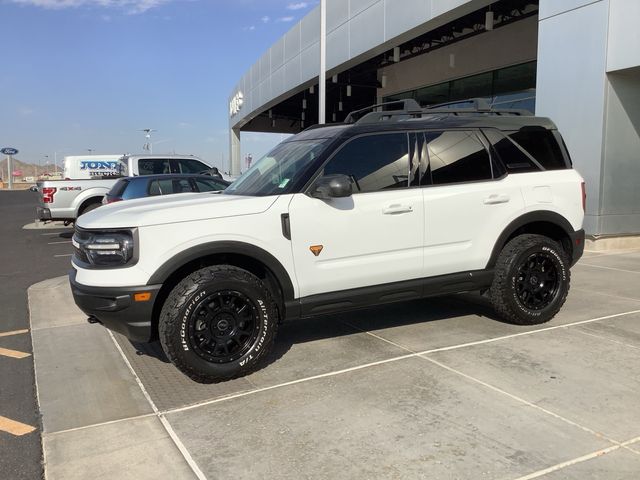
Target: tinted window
181,185
118,189
541,145
209,185
161,187
155,166
192,166
513,158
374,162
457,156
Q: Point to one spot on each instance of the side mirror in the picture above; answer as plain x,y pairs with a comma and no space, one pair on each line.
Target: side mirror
332,186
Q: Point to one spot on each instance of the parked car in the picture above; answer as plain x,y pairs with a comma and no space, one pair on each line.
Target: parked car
148,186
68,199
390,206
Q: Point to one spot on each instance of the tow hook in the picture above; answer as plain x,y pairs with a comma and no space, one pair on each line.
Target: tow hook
92,320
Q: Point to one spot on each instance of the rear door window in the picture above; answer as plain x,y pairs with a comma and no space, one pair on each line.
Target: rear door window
161,187
457,156
182,185
153,166
189,165
208,185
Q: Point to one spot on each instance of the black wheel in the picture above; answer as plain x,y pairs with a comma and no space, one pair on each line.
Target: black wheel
531,280
218,324
91,206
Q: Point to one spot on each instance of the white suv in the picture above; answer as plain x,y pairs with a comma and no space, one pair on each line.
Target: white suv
395,206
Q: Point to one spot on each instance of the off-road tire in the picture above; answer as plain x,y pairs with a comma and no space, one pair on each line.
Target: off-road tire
503,293
178,313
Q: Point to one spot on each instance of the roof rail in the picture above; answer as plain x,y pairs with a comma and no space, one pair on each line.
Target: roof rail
409,105
411,109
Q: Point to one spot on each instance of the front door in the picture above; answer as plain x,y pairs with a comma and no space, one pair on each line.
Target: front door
373,237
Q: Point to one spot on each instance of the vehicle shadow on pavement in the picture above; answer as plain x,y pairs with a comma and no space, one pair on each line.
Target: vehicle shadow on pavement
388,316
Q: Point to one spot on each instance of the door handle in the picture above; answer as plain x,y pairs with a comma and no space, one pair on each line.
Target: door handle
495,199
396,209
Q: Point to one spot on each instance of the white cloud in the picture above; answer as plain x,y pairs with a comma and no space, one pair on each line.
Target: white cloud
285,19
297,6
266,19
129,6
250,28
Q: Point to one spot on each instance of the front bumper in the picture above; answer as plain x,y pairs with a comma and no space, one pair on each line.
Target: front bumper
43,213
577,240
116,308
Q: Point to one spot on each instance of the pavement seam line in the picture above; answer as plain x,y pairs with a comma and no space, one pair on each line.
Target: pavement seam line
521,400
388,360
14,332
575,461
594,292
286,384
608,268
101,424
165,423
14,428
593,333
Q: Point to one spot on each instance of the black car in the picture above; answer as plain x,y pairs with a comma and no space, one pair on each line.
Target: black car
152,185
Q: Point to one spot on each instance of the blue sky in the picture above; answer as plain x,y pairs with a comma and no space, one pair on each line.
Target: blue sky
80,74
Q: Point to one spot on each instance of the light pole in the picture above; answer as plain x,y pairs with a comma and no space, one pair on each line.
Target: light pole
322,80
91,150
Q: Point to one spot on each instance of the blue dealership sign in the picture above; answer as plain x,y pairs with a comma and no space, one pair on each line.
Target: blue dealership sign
9,151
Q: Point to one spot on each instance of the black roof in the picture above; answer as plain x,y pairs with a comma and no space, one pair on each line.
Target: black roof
412,117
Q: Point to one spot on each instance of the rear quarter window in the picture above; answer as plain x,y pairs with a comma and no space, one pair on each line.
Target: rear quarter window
542,145
118,189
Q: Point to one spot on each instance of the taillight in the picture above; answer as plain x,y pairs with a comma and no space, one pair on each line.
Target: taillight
47,194
584,197
114,199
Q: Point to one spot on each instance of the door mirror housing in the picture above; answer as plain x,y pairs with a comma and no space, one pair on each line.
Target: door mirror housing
332,186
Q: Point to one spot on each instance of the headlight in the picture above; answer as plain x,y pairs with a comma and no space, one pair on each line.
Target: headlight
103,248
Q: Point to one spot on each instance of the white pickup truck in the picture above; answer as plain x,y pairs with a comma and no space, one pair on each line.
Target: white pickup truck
68,199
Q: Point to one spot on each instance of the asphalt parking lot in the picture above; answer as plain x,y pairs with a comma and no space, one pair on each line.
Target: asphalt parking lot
430,389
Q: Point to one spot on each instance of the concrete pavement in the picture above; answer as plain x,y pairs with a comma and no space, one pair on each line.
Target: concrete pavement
429,389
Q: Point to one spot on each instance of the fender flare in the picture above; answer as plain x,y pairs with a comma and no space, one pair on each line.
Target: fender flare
226,247
93,192
531,217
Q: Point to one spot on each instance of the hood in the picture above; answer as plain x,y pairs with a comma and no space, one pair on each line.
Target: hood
185,207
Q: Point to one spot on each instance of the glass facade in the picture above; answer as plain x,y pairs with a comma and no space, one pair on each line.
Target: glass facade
510,87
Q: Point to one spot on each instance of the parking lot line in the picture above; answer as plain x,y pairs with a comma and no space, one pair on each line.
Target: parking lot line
59,243
14,428
51,234
592,292
594,333
13,353
15,332
574,461
65,255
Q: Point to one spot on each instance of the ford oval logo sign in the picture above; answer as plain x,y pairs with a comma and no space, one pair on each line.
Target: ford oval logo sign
9,151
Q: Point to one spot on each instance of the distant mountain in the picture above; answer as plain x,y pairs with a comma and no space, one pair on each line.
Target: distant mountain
28,169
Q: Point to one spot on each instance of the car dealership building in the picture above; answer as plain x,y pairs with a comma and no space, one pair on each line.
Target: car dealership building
575,61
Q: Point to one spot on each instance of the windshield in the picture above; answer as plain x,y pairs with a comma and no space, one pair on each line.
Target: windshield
279,170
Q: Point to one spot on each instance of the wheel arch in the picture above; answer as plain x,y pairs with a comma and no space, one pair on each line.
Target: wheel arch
242,255
543,222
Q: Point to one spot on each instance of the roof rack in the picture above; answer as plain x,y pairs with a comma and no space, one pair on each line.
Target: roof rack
409,105
411,109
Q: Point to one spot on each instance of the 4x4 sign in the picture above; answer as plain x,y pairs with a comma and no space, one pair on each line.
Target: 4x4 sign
9,151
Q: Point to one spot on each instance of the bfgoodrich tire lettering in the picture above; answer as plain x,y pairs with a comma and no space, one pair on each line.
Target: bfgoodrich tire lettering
218,323
531,281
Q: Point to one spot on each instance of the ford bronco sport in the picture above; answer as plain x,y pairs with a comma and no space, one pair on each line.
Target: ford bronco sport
392,205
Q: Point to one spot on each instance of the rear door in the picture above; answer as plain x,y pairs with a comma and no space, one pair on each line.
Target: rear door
373,237
469,200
